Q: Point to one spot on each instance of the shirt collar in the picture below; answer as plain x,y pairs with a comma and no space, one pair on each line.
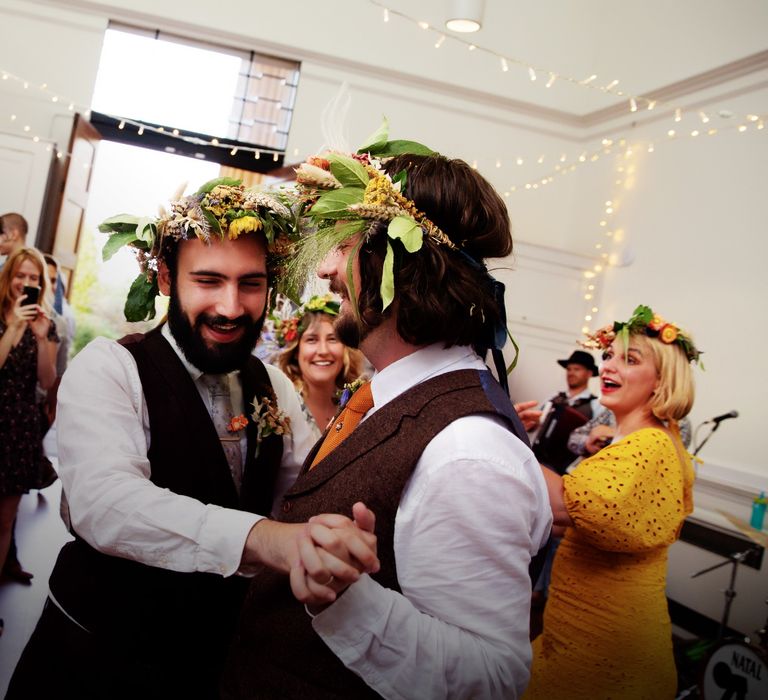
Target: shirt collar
194,372
419,366
582,395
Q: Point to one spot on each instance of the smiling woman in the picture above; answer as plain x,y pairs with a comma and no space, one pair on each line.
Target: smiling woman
28,345
606,627
316,361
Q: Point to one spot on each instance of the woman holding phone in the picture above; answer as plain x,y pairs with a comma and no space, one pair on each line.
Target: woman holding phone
28,345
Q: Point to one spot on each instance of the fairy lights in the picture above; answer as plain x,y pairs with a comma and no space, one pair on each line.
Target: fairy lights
123,123
635,101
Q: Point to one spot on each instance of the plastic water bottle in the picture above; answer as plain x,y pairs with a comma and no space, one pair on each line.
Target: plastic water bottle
758,511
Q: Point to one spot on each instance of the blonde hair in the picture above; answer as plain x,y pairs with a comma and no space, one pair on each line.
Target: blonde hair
11,267
673,398
353,361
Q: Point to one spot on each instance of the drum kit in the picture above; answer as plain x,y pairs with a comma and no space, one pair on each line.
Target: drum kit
735,669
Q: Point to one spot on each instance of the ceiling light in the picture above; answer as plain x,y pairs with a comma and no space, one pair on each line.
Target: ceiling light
465,15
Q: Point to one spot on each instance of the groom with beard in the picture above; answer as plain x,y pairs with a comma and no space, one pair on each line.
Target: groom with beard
166,502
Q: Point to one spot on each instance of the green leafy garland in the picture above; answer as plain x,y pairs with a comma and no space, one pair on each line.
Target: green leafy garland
340,196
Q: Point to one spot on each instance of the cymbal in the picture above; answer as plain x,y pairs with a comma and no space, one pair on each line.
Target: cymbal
757,536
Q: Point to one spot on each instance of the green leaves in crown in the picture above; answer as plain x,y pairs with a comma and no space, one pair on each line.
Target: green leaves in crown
354,177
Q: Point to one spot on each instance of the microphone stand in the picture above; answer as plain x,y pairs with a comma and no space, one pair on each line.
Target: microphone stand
709,435
730,593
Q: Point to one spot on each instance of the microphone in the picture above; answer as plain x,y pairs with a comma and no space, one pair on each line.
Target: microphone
725,416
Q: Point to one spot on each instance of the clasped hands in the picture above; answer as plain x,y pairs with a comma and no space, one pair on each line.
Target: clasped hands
322,557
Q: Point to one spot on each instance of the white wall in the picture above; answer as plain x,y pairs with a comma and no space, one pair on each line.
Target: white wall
44,46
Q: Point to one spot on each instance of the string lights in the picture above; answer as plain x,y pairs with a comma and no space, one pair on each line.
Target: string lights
123,123
566,165
634,101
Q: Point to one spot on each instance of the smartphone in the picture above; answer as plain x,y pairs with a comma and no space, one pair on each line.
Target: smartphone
33,294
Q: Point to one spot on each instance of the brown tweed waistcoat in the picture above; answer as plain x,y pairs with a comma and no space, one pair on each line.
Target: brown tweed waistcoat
276,653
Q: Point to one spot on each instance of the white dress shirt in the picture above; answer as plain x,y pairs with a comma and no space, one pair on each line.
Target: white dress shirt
103,439
471,517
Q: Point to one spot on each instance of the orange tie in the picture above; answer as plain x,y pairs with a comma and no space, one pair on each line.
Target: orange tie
358,405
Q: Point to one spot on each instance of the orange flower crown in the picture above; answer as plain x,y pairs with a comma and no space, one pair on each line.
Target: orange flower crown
643,320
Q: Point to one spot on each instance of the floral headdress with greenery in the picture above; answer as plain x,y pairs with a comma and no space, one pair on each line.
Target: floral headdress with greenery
222,208
341,195
285,328
644,321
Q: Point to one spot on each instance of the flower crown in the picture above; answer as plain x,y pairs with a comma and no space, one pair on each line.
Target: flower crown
286,329
643,320
341,195
221,208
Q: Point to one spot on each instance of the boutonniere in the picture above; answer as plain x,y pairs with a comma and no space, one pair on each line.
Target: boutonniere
269,419
346,394
237,423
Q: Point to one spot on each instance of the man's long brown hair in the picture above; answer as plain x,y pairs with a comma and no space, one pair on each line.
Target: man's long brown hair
441,295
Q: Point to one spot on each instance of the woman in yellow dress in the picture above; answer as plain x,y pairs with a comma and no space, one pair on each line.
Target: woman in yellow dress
607,632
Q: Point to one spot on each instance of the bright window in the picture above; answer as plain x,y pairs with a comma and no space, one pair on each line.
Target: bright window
227,93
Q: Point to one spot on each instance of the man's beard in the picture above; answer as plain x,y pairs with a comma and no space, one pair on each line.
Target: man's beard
220,358
349,330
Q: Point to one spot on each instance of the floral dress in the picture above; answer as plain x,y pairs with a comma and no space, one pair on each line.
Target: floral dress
21,438
607,632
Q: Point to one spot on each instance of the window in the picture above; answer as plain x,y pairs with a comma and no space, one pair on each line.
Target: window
152,77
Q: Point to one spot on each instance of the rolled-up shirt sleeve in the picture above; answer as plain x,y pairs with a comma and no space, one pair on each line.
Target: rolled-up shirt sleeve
102,429
470,520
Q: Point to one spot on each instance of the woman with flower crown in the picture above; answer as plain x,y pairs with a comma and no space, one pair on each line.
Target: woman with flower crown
315,360
607,632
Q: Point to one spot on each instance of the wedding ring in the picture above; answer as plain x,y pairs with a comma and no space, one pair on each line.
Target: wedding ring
329,581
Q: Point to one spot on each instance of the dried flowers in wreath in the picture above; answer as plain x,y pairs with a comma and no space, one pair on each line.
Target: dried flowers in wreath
222,208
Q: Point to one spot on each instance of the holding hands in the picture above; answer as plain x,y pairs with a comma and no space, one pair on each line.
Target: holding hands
323,556
334,551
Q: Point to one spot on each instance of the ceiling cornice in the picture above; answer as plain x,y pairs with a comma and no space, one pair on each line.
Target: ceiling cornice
675,91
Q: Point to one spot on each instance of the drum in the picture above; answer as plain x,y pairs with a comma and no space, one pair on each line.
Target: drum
735,671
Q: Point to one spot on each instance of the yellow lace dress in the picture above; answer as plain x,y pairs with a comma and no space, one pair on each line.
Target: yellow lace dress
607,632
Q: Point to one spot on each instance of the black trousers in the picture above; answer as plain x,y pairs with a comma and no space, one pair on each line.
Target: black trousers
63,661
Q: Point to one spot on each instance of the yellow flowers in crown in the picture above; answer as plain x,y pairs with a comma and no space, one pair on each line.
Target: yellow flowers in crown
220,209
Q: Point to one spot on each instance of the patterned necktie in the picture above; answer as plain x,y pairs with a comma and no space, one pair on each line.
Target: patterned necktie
221,414
358,405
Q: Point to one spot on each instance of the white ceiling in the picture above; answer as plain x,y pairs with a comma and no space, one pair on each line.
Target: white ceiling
645,44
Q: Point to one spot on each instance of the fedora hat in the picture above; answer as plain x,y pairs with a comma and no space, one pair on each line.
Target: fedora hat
579,357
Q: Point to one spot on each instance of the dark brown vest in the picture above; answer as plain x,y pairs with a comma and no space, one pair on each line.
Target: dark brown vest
152,612
276,654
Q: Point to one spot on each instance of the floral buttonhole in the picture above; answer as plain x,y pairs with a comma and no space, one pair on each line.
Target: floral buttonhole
348,390
237,423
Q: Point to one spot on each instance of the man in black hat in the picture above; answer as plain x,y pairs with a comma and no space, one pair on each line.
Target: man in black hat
567,411
579,368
